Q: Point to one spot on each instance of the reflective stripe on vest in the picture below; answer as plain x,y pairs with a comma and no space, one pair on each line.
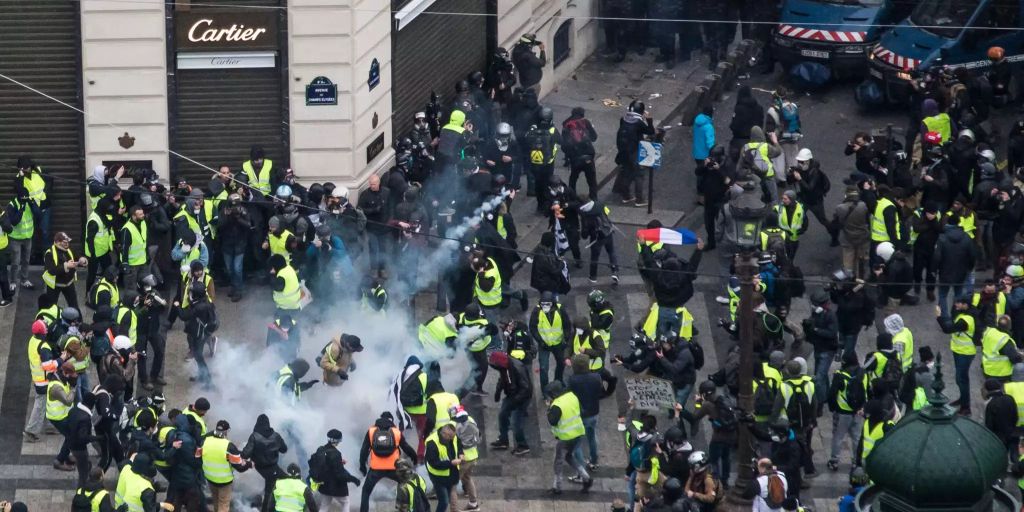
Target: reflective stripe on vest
791,226
101,285
135,485
49,279
762,148
279,244
35,186
137,250
55,409
903,342
483,340
103,242
95,499
993,363
962,342
186,284
492,297
216,467
606,334
550,330
442,453
1016,391
878,231
288,298
260,181
570,424
1000,302
580,344
442,402
789,387
35,361
289,495
26,226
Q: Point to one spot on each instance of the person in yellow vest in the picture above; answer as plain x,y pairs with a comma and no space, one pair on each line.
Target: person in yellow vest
487,286
792,220
444,457
134,247
191,248
373,296
280,241
437,338
877,423
336,358
381,451
105,292
191,218
962,215
988,304
998,351
286,287
412,393
30,179
439,402
589,342
961,329
288,380
477,332
468,433
6,288
885,221
291,494
43,359
19,214
412,489
259,170
757,156
60,269
92,496
99,241
552,331
196,411
845,402
932,120
564,416
135,490
1015,389
60,399
902,339
220,459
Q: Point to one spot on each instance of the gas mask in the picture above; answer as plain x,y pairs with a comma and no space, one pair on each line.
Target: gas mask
545,307
803,166
503,143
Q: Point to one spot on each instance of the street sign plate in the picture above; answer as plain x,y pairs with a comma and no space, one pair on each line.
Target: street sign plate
814,54
649,154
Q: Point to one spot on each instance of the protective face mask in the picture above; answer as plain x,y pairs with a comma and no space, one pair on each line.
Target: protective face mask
804,165
819,310
579,331
545,308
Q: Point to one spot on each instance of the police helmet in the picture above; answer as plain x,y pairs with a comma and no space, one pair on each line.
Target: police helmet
987,154
283,192
504,130
461,86
70,315
546,115
595,298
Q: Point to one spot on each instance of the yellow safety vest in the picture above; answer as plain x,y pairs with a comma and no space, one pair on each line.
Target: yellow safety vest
606,334
841,400
432,335
939,123
551,330
904,339
289,297
135,485
570,423
762,148
791,226
215,460
209,206
282,378
193,224
96,500
103,242
650,326
499,226
186,284
49,279
789,387
481,342
422,408
962,342
122,484
966,222
35,362
55,409
537,154
1016,390
417,482
1000,302
993,363
878,231
442,402
260,181
870,436
132,325
24,229
492,298
279,244
139,235
197,418
579,344
442,452
101,285
289,495
161,438
471,452
35,186
80,366
653,245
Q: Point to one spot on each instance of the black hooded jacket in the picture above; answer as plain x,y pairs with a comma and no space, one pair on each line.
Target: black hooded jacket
264,444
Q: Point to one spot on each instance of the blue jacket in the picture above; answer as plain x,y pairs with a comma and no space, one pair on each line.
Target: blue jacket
846,502
703,136
335,259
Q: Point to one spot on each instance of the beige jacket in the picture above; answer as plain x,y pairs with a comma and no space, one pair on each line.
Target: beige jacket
336,360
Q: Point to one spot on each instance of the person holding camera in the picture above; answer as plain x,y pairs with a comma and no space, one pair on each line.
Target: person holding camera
529,65
234,226
152,334
855,309
61,269
722,413
636,125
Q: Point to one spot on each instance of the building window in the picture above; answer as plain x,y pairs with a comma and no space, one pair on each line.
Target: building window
562,44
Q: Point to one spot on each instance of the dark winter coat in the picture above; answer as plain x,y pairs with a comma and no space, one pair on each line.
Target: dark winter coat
954,255
673,282
747,114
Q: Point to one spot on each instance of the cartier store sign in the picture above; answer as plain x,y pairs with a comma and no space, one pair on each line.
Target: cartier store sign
217,31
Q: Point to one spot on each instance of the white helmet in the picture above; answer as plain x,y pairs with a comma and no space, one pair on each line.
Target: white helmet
885,250
122,343
340,192
804,155
698,459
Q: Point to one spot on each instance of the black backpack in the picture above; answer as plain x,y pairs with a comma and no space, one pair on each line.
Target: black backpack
697,352
800,409
411,394
82,502
856,396
383,442
318,464
892,373
727,418
764,397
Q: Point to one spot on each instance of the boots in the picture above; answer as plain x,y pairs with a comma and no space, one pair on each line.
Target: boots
931,295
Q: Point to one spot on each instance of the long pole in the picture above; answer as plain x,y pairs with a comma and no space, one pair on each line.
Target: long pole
746,268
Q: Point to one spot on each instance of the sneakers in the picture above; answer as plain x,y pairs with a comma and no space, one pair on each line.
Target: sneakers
833,464
640,202
588,484
500,445
66,466
628,200
471,507
615,280
521,450
5,302
593,280
592,466
26,284
721,299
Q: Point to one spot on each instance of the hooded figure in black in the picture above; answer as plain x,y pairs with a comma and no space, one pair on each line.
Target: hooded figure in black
373,464
747,114
263,448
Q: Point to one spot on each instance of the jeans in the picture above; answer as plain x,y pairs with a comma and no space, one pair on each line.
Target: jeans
565,455
683,394
590,424
233,266
631,491
608,244
65,447
446,494
38,414
516,413
21,251
720,457
822,361
849,342
558,352
377,245
962,371
845,425
668,321
944,294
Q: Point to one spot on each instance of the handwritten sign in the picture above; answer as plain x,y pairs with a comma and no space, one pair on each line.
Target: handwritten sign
649,393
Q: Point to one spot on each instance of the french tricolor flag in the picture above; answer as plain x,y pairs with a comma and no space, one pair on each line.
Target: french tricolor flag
676,236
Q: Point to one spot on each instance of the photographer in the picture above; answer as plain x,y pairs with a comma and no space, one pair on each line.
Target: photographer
854,308
642,356
722,413
61,270
37,187
529,65
812,185
714,181
234,226
151,334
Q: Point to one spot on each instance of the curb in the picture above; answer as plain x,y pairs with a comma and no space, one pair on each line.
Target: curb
722,79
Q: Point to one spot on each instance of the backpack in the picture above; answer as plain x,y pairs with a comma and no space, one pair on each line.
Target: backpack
638,453
799,410
764,397
792,283
727,418
318,464
383,443
411,394
82,502
540,146
776,492
697,352
892,373
790,115
575,132
759,165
